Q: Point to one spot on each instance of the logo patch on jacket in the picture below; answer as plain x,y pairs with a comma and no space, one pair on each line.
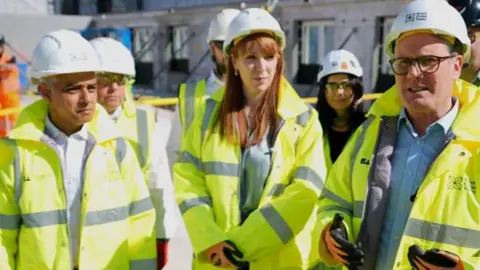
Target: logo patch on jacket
365,161
461,183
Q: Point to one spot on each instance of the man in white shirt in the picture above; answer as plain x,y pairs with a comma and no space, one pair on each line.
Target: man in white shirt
74,196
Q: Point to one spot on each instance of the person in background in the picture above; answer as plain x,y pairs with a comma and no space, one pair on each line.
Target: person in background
138,125
339,101
403,193
9,89
192,95
72,195
470,11
252,166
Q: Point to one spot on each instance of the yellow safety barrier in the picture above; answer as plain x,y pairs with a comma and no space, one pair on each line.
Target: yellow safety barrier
173,101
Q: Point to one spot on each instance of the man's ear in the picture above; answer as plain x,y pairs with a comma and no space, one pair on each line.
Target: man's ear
458,66
44,92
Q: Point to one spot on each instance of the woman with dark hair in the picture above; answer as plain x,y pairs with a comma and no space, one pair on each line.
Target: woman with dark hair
252,168
339,101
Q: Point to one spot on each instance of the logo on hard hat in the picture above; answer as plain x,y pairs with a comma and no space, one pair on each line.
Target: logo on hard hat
418,16
78,56
344,66
334,63
352,63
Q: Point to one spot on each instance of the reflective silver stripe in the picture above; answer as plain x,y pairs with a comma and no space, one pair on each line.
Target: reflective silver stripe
189,108
142,137
121,150
209,108
220,168
330,195
310,175
16,169
278,224
186,157
146,264
442,233
302,119
358,209
9,222
359,143
140,206
277,190
190,203
42,219
106,216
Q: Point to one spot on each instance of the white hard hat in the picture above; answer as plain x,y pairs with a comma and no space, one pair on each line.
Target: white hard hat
340,61
431,15
114,56
253,20
63,52
219,24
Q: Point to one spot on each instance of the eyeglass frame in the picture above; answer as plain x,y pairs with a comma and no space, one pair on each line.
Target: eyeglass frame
125,79
345,85
439,60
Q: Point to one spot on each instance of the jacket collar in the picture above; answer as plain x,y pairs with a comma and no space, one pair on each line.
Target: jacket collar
31,124
467,94
290,105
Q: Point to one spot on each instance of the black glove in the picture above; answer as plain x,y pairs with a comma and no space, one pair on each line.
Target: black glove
433,259
354,254
233,255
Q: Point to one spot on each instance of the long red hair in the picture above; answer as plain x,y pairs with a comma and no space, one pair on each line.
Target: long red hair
232,110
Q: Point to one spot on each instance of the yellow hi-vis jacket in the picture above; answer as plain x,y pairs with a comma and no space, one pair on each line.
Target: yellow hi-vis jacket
117,217
278,234
446,209
191,97
138,125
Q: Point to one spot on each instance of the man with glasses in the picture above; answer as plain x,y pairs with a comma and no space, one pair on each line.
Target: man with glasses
403,194
470,10
138,125
192,95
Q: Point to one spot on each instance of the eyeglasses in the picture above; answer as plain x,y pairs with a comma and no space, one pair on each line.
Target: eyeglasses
427,64
335,86
109,78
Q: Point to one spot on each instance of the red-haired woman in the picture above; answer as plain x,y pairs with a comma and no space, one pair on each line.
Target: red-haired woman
248,179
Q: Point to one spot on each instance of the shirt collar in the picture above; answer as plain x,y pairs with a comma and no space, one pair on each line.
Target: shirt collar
213,79
55,133
445,122
116,114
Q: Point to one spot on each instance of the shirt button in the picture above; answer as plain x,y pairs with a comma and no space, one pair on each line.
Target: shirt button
396,237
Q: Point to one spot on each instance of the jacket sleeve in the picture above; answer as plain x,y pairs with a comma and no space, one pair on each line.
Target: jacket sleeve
9,214
141,240
336,197
193,197
174,139
161,189
271,227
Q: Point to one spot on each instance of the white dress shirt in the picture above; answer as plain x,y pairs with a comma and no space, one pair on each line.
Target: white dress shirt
71,151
